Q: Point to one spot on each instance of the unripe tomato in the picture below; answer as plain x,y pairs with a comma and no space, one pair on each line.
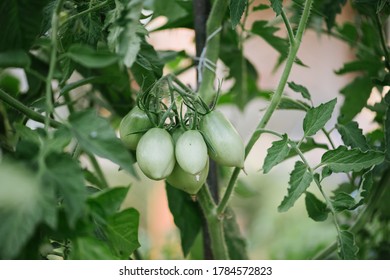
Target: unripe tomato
135,121
155,154
188,182
191,152
227,145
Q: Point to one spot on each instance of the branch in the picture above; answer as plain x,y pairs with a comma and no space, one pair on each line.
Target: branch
16,104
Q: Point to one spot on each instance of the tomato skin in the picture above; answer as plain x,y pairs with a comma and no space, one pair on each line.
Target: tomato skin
136,120
191,152
188,182
227,145
155,154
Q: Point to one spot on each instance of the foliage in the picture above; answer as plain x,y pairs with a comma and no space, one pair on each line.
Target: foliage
52,205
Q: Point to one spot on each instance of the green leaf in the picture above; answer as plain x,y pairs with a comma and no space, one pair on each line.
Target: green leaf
122,231
353,136
24,203
235,243
89,248
186,215
237,8
276,153
330,9
356,96
277,6
344,160
347,248
64,174
368,65
317,117
14,58
300,89
107,202
267,32
125,29
300,179
316,209
261,7
20,23
367,183
88,57
96,136
343,201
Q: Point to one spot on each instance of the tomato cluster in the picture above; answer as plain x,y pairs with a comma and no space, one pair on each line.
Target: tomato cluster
179,151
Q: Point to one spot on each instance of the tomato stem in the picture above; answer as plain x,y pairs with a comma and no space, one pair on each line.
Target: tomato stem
276,98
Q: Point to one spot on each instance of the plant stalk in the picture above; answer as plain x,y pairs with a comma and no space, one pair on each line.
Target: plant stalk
294,47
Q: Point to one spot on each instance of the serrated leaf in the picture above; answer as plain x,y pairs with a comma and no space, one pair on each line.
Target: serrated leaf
125,29
300,179
276,153
353,136
88,57
122,232
64,174
107,202
24,203
277,6
344,160
186,215
356,96
343,201
300,89
267,32
316,209
235,243
96,136
347,248
20,23
317,117
237,8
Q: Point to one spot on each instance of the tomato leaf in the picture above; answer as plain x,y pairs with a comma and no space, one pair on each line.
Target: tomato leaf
344,160
186,215
107,202
387,127
316,209
300,89
347,248
122,231
300,179
235,243
14,58
20,23
356,96
88,57
124,30
237,8
277,6
276,153
96,136
24,203
343,201
317,117
353,136
64,174
90,248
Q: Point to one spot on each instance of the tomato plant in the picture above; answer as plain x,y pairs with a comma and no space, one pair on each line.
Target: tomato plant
83,83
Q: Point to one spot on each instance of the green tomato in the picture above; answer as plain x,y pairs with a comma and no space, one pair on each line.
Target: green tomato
191,152
131,127
188,182
155,154
226,145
